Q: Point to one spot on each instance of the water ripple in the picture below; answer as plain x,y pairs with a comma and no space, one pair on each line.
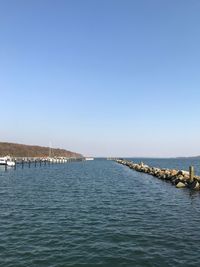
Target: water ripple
96,214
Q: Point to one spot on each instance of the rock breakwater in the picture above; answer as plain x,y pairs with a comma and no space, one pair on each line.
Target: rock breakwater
179,178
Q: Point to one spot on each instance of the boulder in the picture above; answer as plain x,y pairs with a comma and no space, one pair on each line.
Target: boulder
184,173
197,178
161,175
175,180
180,185
186,177
182,178
168,177
173,172
194,185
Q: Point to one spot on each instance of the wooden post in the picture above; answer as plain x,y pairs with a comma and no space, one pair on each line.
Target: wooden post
45,162
29,163
6,166
15,165
22,164
191,171
40,163
35,162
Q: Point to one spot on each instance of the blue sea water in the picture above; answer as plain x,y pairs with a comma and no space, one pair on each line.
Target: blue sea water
97,213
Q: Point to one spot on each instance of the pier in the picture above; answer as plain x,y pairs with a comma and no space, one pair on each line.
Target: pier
22,162
179,178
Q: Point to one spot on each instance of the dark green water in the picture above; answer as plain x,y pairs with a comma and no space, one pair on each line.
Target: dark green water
97,214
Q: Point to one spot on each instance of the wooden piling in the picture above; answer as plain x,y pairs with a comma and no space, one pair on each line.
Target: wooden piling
191,171
6,166
35,163
40,163
22,164
15,165
29,163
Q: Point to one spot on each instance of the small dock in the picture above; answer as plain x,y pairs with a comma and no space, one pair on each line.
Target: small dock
28,162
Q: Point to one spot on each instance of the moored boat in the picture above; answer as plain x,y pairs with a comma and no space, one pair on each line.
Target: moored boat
89,158
3,161
7,161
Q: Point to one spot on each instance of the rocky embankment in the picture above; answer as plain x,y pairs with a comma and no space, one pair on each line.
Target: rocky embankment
179,178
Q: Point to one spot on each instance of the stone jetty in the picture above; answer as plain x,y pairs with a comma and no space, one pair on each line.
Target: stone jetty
179,178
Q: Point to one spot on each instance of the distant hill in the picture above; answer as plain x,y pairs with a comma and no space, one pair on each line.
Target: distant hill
19,150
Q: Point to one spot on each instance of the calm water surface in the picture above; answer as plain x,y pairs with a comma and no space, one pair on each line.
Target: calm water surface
97,214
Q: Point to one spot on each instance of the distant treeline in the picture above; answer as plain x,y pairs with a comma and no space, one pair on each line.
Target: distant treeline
19,150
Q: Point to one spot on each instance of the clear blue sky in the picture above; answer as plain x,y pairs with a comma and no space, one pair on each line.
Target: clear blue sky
101,77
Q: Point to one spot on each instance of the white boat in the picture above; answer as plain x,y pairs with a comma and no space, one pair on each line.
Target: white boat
10,163
7,161
3,161
89,158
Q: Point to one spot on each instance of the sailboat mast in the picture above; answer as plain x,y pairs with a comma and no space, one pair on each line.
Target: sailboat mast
49,149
